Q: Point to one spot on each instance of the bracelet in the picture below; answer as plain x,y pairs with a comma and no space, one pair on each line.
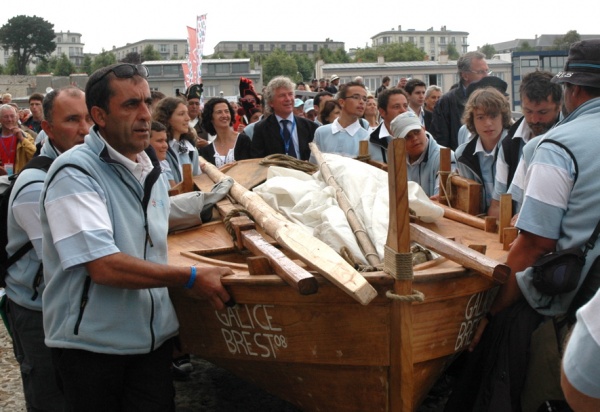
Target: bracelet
192,280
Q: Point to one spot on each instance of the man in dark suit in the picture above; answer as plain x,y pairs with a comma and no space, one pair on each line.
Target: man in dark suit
281,131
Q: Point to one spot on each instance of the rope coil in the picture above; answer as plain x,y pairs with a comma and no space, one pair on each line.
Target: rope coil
398,265
415,297
235,213
290,162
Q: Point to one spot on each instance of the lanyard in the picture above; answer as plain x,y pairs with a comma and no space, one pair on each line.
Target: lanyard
8,152
287,144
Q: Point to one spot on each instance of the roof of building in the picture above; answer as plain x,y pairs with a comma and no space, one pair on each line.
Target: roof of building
413,64
158,62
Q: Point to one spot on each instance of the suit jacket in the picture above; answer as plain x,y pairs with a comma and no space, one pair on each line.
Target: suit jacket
267,137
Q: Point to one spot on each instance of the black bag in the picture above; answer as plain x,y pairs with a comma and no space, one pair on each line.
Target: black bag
558,272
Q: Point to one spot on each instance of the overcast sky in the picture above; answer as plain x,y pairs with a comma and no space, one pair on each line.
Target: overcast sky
108,23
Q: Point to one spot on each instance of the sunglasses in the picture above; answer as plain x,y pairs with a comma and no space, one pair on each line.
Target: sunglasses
124,71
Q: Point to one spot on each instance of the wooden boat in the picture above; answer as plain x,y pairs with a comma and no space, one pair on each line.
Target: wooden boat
326,351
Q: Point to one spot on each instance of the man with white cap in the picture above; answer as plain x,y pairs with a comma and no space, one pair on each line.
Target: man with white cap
309,110
559,212
334,83
422,152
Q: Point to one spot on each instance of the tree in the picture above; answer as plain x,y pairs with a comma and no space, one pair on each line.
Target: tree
488,50
305,66
453,54
86,66
149,53
103,59
27,37
564,42
279,63
43,67
328,56
525,46
12,65
132,57
64,66
391,52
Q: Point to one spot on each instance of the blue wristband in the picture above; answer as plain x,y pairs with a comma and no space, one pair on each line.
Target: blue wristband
192,278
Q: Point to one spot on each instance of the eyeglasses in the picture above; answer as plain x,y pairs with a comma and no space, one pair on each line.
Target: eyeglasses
124,71
480,72
357,97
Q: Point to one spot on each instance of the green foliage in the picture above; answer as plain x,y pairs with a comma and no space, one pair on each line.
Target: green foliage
86,66
64,66
488,50
1,69
391,52
525,46
564,42
453,54
150,53
27,37
305,66
328,56
279,63
103,59
12,65
219,55
43,67
132,57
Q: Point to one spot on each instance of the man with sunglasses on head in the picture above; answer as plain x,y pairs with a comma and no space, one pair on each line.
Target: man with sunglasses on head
447,114
344,134
104,210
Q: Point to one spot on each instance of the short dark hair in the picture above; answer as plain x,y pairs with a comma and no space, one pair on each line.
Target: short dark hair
207,114
318,96
344,88
328,107
48,100
156,95
36,96
158,127
386,79
383,98
412,84
97,89
537,86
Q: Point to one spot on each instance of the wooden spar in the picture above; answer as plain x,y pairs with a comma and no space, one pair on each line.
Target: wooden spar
460,254
401,375
487,224
364,241
309,249
283,266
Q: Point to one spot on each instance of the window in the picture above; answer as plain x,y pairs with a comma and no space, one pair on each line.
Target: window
432,40
372,83
399,39
453,40
304,47
240,68
411,39
154,71
282,46
261,47
175,48
315,47
163,48
293,47
211,91
422,40
272,46
239,46
172,70
250,47
442,40
73,39
464,40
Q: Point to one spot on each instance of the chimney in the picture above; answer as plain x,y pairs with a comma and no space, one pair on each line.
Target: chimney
399,28
380,59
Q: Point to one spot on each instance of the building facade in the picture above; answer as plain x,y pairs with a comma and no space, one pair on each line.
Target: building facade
66,42
220,77
169,49
432,42
229,48
439,73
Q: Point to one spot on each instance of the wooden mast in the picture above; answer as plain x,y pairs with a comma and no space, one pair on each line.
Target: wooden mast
401,379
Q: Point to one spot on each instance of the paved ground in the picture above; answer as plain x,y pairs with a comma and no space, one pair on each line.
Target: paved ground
208,389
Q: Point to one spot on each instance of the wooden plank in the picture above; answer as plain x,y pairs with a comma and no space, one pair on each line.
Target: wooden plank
187,184
505,215
463,217
466,195
460,254
445,169
290,272
309,249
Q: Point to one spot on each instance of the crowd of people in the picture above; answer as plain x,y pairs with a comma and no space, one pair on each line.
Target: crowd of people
117,148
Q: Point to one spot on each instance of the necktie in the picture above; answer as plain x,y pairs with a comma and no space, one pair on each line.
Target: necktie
287,139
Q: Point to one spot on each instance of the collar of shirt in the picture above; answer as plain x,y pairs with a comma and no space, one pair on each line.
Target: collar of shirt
290,118
336,127
193,122
479,148
523,132
140,168
384,132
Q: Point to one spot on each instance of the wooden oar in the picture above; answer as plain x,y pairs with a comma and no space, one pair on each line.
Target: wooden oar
291,237
357,226
460,254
